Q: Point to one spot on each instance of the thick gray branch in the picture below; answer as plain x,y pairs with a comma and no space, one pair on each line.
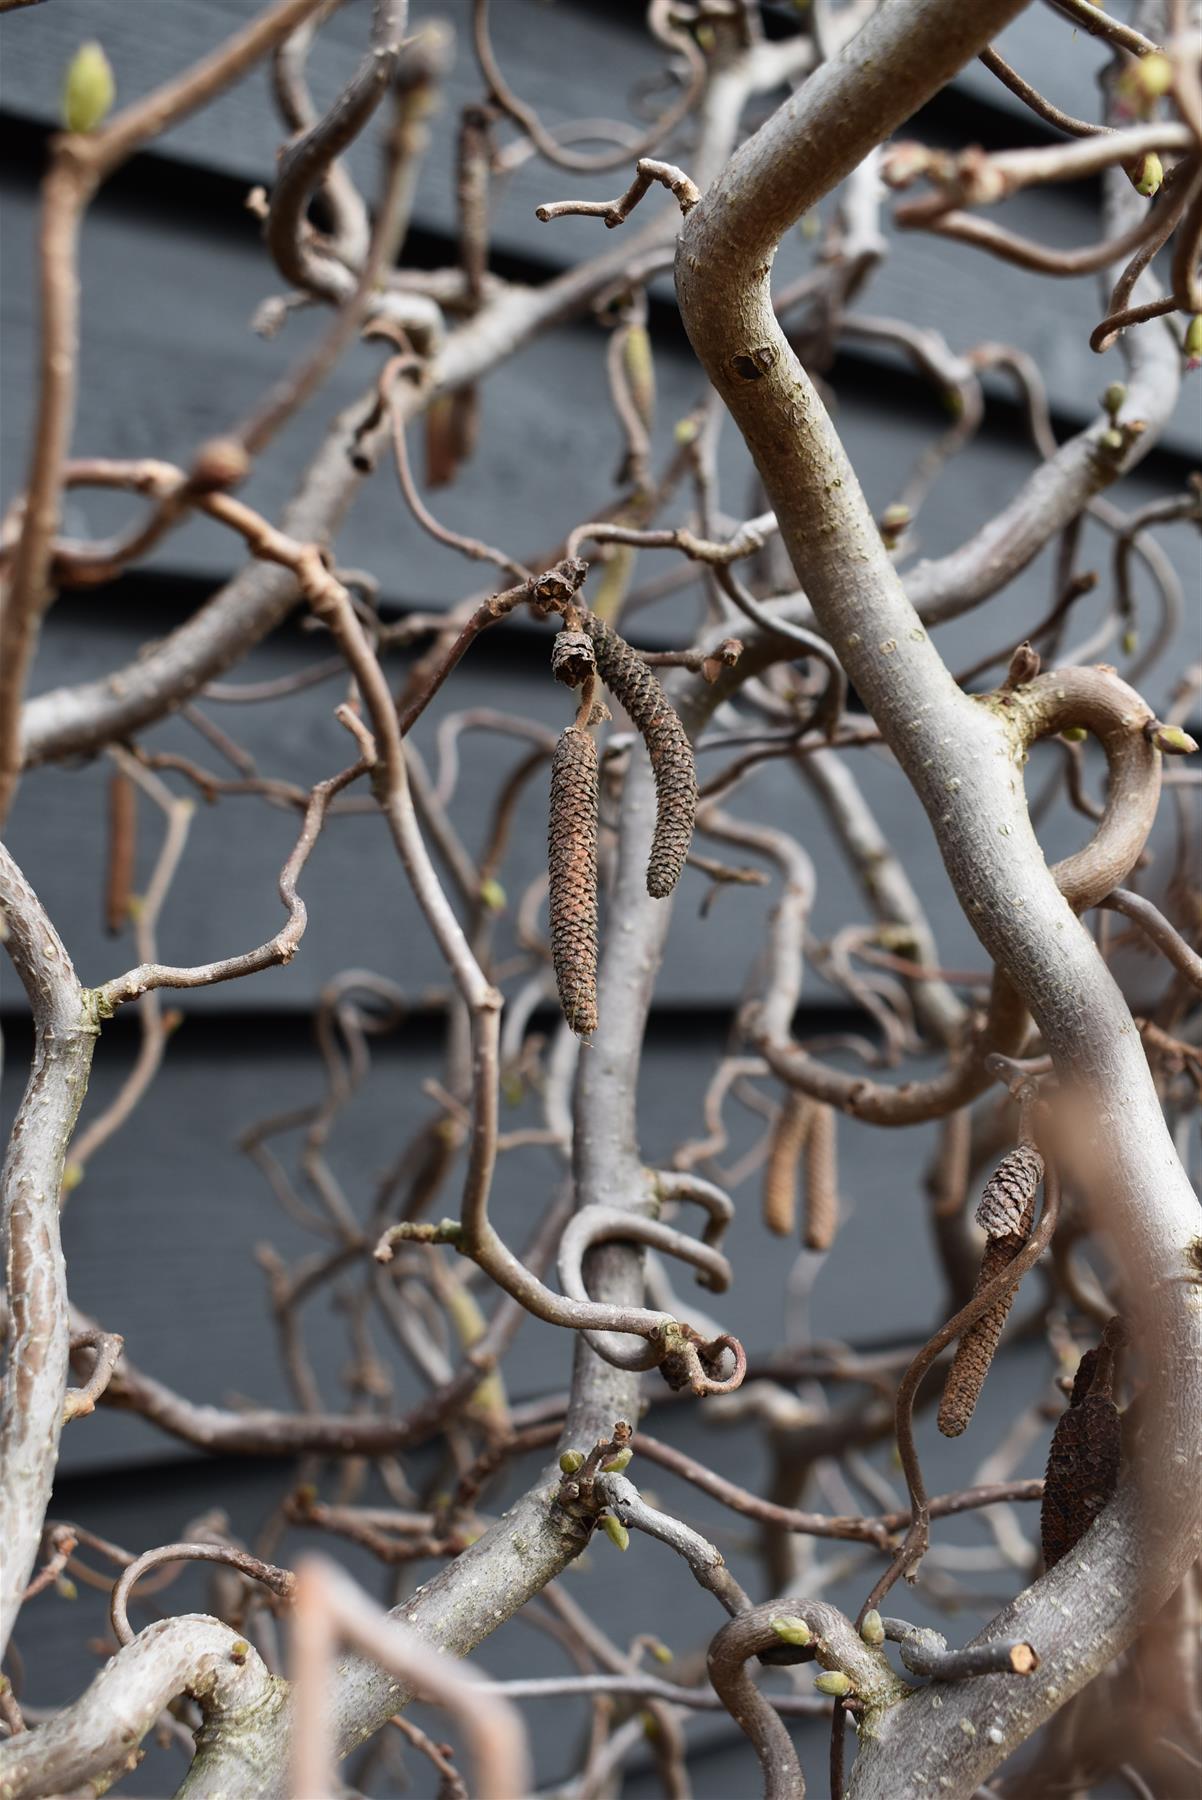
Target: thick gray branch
961,758
97,1735
35,1274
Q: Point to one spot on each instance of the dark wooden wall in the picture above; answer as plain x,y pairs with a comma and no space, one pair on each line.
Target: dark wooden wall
161,1236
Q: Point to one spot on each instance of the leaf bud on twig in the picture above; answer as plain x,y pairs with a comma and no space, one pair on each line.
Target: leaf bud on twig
1193,341
1147,175
791,1630
88,88
615,1531
1171,740
833,1682
1114,399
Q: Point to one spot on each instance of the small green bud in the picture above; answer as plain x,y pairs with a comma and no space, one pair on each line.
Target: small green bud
661,1653
1130,642
512,1090
833,1682
1074,734
620,1461
791,1630
1113,440
615,1531
571,1460
809,223
893,522
871,1630
1147,175
1154,74
72,1176
1193,340
66,1588
1172,740
1114,399
239,1650
685,430
492,895
1143,83
88,89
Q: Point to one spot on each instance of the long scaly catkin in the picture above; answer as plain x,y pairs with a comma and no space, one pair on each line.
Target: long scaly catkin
1006,1212
1085,1452
572,867
821,1219
122,850
630,681
784,1153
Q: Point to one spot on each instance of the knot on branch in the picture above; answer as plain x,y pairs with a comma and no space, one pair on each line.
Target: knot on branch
693,1362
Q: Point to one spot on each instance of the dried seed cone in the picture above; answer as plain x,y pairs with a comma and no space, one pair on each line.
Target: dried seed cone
1082,1473
572,867
784,1154
977,1345
629,679
822,1179
572,657
1009,1192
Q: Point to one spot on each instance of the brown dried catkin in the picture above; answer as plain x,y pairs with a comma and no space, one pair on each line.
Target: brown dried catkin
572,869
1082,1473
630,681
1085,1452
1007,1213
821,1219
784,1154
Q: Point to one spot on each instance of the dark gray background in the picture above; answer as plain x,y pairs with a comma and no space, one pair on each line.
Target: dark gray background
160,1238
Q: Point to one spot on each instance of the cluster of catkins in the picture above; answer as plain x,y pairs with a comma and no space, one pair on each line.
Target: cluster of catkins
575,793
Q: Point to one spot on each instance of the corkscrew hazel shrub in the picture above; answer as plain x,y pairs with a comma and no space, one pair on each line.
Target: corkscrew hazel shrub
572,871
631,682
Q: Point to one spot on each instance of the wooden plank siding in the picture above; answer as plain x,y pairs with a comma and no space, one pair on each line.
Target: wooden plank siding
161,1235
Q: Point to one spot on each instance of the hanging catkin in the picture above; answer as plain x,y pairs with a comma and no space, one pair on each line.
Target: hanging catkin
784,1154
1006,1212
1086,1449
572,868
821,1219
122,850
629,679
